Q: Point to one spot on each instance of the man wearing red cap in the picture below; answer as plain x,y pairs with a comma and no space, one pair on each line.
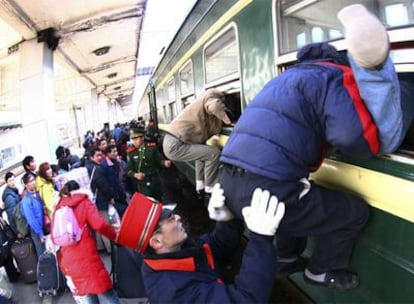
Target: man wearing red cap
178,269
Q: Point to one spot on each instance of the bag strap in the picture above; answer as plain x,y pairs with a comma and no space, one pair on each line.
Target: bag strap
92,174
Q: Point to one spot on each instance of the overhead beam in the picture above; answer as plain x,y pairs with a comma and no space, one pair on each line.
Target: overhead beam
14,16
110,64
92,22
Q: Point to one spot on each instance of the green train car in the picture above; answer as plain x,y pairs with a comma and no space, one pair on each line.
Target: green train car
237,47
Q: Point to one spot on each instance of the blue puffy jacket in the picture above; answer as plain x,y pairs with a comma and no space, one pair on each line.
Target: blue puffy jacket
284,132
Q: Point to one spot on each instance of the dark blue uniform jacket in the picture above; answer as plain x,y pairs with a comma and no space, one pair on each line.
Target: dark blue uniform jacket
284,132
190,275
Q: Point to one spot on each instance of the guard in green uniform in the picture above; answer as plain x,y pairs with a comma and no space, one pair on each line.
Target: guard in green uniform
144,162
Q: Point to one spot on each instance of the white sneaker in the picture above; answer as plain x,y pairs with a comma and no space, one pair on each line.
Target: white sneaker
7,293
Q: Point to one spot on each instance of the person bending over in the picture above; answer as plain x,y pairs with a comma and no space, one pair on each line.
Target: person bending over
327,100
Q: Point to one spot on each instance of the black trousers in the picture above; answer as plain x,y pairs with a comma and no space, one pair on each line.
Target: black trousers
333,217
11,270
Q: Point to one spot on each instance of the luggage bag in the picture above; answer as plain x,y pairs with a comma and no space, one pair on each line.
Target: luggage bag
50,280
24,253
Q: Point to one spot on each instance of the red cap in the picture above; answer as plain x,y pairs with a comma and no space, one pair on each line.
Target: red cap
138,223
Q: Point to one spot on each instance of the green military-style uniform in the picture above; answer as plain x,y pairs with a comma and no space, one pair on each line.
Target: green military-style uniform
148,160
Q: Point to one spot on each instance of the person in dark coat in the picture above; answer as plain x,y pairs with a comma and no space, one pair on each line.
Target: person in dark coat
100,187
185,269
83,267
10,198
114,174
285,132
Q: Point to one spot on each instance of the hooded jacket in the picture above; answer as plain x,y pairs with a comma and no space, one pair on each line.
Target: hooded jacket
47,193
201,119
81,262
11,198
284,132
190,275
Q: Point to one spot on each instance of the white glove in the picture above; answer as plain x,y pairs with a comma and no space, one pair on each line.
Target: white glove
263,215
216,209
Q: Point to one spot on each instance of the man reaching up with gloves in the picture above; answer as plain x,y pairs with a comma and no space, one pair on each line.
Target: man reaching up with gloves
185,269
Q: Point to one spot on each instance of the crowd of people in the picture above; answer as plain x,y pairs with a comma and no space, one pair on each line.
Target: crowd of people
260,180
118,163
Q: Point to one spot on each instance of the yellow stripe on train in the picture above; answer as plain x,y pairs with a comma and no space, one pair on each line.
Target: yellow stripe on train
386,192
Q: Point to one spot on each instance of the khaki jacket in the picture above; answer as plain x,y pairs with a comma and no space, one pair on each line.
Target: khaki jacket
201,119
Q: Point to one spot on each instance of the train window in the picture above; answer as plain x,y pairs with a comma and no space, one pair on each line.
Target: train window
221,58
186,79
233,106
171,89
396,14
172,110
302,22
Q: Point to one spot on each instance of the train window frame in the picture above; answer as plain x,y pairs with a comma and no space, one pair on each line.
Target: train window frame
190,90
210,43
172,110
398,34
165,113
402,54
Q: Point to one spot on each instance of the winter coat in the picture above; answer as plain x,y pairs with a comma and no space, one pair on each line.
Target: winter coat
201,119
286,129
99,185
82,261
190,275
10,198
47,193
32,210
114,177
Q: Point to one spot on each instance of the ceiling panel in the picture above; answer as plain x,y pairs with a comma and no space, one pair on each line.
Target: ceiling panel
82,27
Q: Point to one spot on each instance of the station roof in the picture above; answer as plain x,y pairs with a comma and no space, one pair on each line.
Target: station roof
96,44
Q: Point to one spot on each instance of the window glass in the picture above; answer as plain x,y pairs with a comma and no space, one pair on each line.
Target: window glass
301,39
396,14
302,22
186,79
334,34
317,34
221,57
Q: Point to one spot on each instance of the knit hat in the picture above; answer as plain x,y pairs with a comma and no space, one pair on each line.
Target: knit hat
139,222
365,36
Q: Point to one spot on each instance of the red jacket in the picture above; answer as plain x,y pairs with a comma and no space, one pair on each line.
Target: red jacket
81,261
